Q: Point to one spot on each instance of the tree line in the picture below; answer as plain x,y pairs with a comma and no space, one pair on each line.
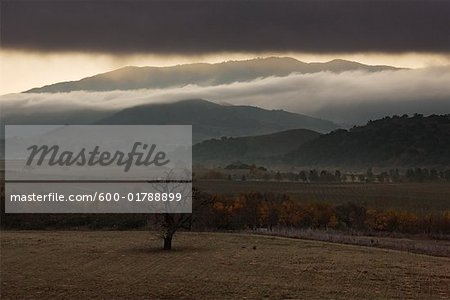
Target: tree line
265,210
248,211
317,175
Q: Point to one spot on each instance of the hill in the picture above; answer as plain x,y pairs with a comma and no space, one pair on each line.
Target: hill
211,120
251,149
391,141
202,74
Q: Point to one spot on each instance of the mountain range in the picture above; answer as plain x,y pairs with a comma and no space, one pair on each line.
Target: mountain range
211,120
251,149
201,74
391,141
398,141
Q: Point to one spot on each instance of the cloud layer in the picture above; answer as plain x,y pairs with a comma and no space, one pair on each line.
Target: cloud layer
198,27
348,97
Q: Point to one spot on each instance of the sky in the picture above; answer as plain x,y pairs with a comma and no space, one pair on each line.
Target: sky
22,70
44,42
201,27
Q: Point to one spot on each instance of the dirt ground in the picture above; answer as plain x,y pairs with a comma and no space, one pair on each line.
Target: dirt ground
130,265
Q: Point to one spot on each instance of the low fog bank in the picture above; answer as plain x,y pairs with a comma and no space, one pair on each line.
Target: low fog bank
349,97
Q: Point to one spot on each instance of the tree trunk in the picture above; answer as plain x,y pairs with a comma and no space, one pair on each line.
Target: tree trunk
168,241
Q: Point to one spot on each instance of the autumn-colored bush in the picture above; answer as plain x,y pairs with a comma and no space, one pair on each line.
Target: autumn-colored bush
252,211
258,210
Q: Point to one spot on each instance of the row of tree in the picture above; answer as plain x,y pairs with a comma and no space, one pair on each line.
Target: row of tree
315,175
257,210
248,210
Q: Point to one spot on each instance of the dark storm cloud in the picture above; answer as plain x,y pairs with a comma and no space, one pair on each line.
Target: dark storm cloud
194,27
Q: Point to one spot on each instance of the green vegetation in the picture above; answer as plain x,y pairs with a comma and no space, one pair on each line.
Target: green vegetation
391,142
415,141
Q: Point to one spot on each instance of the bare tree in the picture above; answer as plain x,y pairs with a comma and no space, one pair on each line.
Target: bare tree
170,223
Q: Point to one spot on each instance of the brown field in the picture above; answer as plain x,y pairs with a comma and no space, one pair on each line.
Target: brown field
129,265
416,197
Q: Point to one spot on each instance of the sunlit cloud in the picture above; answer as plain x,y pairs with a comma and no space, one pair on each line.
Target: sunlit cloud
20,71
348,97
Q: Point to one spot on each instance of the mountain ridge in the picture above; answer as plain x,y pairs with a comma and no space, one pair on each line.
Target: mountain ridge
211,120
250,149
390,141
202,74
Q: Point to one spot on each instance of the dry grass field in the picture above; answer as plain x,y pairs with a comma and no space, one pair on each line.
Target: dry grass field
416,197
129,265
